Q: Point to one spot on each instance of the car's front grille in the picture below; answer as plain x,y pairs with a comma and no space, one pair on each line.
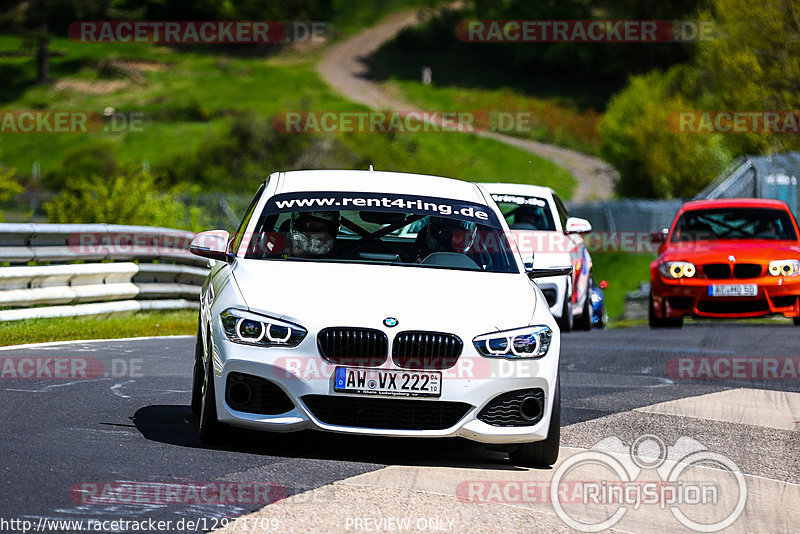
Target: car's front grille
717,270
394,414
508,409
784,302
253,394
364,347
732,306
746,270
426,350
723,270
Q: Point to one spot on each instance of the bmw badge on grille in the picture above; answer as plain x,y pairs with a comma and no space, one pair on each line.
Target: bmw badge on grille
390,322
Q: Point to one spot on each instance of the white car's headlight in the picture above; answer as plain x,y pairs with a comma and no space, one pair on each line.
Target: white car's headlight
253,329
529,342
784,267
678,269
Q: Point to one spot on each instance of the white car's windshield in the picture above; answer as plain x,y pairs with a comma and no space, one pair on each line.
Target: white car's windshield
526,213
380,228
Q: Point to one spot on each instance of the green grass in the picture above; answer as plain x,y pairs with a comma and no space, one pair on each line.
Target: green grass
623,271
352,16
98,327
191,98
547,120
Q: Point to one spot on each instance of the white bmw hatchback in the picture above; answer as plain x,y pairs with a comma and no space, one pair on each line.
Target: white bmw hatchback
325,312
546,235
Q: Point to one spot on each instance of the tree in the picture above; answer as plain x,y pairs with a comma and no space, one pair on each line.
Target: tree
36,20
129,197
8,185
751,63
652,159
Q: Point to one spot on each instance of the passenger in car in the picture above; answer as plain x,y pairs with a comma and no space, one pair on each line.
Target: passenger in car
444,235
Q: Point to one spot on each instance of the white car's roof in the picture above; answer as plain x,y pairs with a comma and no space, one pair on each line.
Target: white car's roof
377,182
519,189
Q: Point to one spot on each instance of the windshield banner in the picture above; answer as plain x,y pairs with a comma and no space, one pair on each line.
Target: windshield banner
385,202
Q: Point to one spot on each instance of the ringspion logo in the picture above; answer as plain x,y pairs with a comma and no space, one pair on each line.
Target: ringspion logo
703,490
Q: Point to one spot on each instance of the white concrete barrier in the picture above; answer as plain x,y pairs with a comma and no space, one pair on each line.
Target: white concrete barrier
60,289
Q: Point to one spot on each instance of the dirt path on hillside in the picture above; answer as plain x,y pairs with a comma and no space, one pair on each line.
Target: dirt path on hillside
344,68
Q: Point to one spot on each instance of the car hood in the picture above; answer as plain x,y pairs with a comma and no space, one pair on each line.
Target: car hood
744,250
318,294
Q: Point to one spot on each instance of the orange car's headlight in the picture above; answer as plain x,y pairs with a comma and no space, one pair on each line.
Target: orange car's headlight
784,267
678,269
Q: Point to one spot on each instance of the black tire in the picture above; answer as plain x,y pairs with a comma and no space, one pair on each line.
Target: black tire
565,321
602,321
796,321
197,373
659,322
584,322
210,428
542,453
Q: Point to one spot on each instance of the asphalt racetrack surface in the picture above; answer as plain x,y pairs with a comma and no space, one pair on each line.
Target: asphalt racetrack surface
130,422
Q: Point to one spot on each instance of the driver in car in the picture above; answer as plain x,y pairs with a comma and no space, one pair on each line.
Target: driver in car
529,218
445,235
312,233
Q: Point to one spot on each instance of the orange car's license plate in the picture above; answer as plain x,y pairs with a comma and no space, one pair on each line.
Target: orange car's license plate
733,290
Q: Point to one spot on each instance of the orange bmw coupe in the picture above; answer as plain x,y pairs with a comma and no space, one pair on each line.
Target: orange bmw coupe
729,258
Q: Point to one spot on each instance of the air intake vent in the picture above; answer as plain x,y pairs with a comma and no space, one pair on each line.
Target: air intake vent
253,394
426,350
364,412
517,408
353,346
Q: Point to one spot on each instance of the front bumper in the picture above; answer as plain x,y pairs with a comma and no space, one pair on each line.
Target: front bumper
690,296
300,372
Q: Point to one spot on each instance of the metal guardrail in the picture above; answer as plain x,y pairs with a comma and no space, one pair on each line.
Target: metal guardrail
92,269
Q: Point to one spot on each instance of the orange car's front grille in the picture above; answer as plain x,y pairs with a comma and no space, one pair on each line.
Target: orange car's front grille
719,271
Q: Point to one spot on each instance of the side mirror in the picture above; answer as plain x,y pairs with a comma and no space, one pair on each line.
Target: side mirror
577,225
528,264
549,271
212,244
660,236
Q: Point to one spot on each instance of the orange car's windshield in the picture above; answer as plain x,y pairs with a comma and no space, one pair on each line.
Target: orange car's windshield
734,223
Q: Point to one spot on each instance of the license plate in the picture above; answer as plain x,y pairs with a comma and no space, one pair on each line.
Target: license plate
733,290
388,382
